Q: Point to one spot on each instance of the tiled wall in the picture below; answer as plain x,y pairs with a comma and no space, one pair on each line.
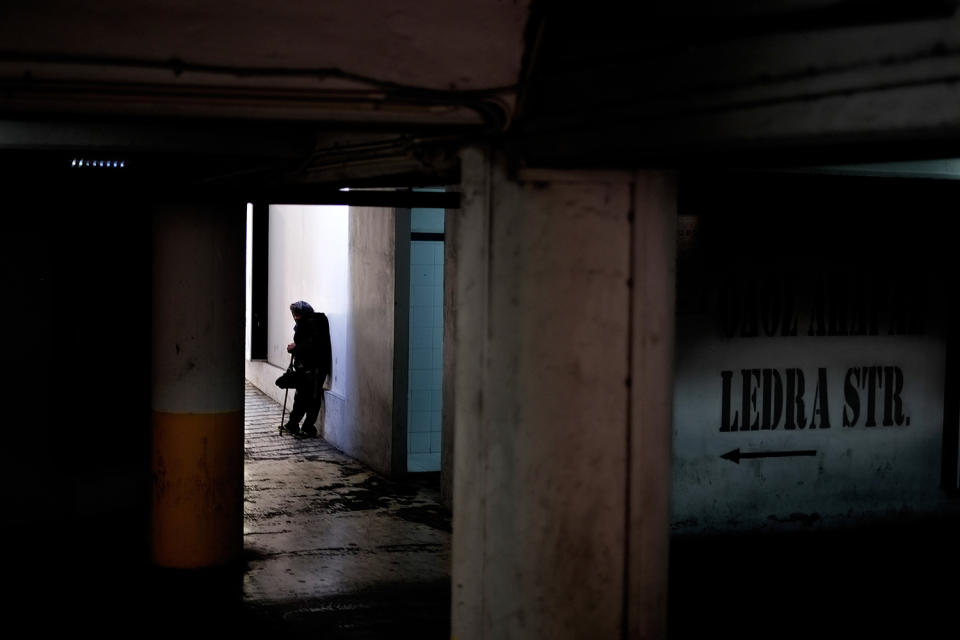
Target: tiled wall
425,403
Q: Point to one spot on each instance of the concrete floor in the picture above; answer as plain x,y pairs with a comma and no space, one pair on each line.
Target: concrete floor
333,547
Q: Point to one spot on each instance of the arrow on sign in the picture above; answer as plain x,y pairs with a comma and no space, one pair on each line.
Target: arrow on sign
735,455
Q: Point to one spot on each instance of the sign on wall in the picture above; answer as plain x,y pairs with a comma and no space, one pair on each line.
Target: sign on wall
809,382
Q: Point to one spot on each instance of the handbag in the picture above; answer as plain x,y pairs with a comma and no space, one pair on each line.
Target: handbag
291,378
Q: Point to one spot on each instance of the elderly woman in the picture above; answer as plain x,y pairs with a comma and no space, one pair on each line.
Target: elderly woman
312,357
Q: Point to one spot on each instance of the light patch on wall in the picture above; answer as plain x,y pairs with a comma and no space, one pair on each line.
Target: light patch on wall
249,282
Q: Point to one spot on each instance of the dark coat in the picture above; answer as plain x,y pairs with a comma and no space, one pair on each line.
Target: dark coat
312,350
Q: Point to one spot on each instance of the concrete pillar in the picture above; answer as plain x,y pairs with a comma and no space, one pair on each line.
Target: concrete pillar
198,329
651,401
452,220
552,488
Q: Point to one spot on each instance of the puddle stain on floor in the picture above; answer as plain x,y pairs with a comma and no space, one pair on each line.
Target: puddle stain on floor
331,545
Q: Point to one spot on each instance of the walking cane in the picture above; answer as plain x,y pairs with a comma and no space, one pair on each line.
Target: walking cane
283,413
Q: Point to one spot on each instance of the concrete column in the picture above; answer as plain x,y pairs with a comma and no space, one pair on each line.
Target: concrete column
198,329
651,401
547,473
452,221
471,236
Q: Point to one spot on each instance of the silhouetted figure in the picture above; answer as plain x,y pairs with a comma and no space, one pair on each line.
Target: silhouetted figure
312,357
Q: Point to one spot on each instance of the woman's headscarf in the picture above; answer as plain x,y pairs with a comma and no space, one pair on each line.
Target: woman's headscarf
301,308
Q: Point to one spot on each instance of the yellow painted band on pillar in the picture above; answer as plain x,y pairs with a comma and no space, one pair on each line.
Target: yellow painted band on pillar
197,510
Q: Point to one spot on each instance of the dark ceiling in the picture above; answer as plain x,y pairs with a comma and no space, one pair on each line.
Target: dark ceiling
362,92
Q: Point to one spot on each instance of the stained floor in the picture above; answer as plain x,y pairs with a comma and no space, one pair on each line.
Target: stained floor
333,547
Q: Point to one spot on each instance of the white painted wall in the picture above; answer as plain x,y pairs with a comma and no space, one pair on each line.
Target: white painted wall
363,424
308,261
